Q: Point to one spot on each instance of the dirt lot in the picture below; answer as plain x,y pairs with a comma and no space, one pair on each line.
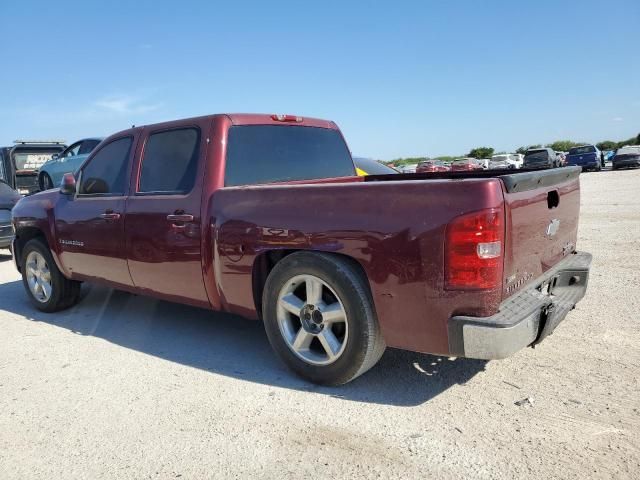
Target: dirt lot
128,387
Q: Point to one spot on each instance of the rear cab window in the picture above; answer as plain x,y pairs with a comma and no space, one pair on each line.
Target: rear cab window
581,150
538,154
258,154
170,162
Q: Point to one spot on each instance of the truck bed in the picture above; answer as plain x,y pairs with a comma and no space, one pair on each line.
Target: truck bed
394,227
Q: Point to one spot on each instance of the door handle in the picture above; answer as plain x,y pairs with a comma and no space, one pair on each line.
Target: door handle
110,215
182,217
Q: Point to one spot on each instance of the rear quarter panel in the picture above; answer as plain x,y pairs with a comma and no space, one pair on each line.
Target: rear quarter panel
393,230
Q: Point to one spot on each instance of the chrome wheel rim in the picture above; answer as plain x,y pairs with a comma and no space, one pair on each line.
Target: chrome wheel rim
38,277
312,320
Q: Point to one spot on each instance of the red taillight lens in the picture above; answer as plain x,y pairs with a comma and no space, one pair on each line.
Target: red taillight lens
474,250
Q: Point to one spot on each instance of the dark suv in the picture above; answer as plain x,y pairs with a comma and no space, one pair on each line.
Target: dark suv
541,158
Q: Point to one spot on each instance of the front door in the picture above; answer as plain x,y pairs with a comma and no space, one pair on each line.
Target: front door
90,225
162,225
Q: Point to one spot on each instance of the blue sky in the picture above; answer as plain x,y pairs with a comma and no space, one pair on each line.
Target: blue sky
400,78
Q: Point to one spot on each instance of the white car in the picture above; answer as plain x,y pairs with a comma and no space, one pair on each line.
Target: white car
512,160
411,168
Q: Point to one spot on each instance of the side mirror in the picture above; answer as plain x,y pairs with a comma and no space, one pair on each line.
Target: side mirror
68,184
55,156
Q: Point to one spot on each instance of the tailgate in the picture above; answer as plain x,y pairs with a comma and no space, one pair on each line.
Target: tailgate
541,225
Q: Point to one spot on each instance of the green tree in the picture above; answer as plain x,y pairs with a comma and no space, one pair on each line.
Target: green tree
606,145
481,152
523,150
563,145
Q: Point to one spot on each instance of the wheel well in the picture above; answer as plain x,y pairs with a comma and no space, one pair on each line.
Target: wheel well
22,237
265,262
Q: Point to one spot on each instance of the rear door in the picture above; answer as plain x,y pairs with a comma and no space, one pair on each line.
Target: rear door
90,225
542,210
163,220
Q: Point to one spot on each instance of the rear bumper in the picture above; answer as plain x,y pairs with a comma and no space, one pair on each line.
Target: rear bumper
632,162
525,318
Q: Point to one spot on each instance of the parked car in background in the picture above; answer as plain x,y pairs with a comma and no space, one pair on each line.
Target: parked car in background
8,198
484,162
626,157
586,156
543,157
562,158
432,166
273,224
500,164
507,160
27,157
67,161
466,164
411,168
369,166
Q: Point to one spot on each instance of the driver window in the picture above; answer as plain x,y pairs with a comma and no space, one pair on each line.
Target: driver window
105,174
72,151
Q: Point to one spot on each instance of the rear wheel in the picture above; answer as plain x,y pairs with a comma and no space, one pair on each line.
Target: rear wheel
45,181
320,318
46,287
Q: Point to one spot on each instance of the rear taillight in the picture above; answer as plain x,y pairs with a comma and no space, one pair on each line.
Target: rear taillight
474,250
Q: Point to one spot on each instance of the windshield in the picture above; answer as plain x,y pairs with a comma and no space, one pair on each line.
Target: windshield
31,160
276,153
582,150
628,151
500,158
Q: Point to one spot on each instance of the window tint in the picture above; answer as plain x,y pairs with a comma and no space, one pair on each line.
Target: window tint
106,172
272,153
88,146
170,161
581,150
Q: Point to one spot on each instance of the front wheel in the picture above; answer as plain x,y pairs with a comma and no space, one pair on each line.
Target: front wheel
320,319
47,288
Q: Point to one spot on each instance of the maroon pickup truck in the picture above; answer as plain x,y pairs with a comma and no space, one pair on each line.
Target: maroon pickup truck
264,216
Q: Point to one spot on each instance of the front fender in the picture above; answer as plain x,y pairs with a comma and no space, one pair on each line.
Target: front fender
33,216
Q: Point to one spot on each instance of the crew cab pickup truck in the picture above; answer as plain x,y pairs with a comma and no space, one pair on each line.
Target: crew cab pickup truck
265,217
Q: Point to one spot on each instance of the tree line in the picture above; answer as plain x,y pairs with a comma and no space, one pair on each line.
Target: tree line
487,152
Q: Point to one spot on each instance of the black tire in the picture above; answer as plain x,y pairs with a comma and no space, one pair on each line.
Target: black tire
64,292
364,344
45,181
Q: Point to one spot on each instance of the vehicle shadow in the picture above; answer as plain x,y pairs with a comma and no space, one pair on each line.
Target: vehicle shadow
235,347
5,257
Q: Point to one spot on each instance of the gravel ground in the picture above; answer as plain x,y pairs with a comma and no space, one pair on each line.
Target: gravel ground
128,387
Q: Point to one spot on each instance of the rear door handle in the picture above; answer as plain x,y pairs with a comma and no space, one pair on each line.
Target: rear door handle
110,216
181,217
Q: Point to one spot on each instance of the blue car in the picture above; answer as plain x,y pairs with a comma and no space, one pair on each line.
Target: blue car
586,156
68,161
